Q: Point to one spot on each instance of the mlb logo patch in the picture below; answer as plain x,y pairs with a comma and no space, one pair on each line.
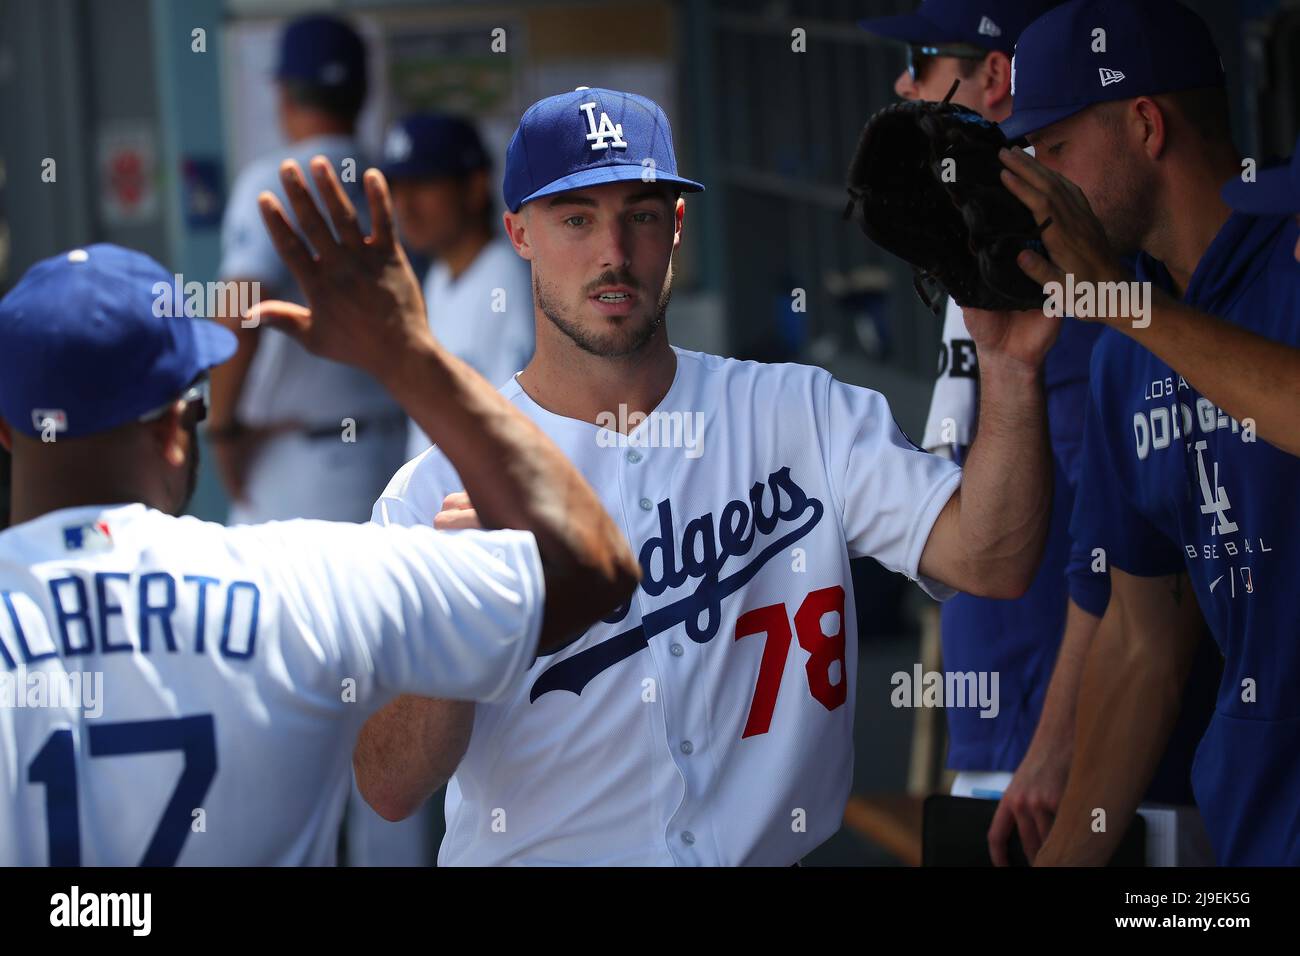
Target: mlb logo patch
988,28
42,416
1109,77
93,536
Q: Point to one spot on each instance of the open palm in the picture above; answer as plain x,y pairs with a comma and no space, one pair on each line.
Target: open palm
364,302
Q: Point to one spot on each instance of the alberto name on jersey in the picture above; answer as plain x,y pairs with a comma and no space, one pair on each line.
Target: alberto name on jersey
232,668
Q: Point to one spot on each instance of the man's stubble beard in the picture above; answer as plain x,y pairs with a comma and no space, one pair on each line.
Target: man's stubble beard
622,341
1127,209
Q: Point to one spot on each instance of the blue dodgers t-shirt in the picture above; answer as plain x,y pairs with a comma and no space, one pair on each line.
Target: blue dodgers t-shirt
1019,639
1171,482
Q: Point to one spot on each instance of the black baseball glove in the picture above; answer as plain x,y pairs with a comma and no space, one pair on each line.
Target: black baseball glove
926,177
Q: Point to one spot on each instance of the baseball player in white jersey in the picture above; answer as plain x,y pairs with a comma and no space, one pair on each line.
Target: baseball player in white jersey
709,720
280,414
177,692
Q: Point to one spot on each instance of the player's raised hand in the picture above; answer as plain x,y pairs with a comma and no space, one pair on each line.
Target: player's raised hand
1014,339
364,302
1075,238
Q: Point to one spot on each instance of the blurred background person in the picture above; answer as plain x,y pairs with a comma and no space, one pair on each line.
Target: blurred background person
280,416
478,292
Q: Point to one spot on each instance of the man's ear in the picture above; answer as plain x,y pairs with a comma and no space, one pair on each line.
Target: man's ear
995,83
516,224
1154,125
168,435
6,436
679,217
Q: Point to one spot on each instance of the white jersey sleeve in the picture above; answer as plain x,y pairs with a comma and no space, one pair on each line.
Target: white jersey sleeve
414,496
889,491
404,610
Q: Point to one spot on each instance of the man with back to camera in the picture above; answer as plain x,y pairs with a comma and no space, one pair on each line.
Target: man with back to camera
279,414
235,647
676,731
1190,506
477,291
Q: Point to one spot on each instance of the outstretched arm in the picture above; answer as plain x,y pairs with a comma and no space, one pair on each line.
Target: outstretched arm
1245,374
989,538
365,309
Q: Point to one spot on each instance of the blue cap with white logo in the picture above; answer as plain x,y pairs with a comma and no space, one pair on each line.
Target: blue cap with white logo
991,24
1098,51
585,138
1274,192
432,144
321,50
85,342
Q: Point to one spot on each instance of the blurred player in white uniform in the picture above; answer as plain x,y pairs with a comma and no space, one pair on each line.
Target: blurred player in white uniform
709,720
478,292
280,415
176,692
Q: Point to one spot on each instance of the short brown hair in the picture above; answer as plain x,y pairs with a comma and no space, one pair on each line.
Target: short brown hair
1205,110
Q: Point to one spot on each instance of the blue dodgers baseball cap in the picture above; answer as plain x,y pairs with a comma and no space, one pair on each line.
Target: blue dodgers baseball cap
1097,51
1275,192
585,138
432,144
322,51
84,341
991,24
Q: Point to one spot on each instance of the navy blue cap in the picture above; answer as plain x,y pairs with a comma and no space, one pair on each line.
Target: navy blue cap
991,24
1151,47
322,51
1275,192
585,138
84,341
432,144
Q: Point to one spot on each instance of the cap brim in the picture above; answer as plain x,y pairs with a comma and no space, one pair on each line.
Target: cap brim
600,175
1023,122
1275,192
213,342
910,28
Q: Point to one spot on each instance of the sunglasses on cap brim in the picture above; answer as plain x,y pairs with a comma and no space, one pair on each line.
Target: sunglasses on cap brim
920,56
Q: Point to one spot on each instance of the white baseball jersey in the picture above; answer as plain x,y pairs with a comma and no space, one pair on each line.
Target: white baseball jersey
484,316
172,691
710,720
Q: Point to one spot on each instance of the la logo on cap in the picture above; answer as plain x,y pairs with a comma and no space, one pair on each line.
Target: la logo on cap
1109,77
600,135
